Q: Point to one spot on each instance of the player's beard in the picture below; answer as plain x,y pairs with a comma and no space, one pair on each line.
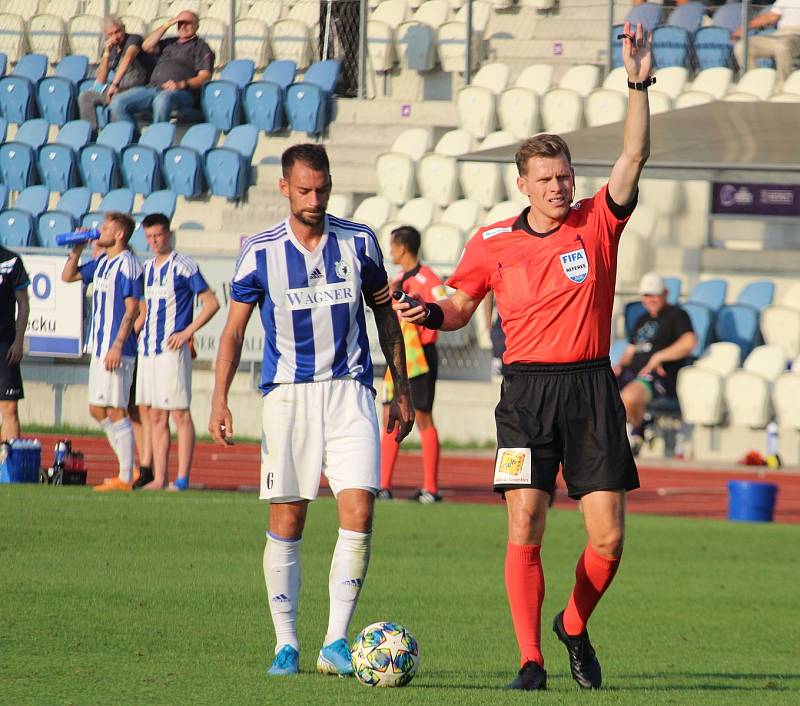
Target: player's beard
310,218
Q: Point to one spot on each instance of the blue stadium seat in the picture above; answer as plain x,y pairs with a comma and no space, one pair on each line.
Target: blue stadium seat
3,63
18,157
183,164
633,310
702,318
3,196
264,99
713,47
3,129
758,294
18,91
617,349
688,16
115,200
58,161
57,95
728,16
647,14
671,46
17,225
228,169
64,217
308,103
141,163
738,323
673,285
99,161
711,293
222,98
33,199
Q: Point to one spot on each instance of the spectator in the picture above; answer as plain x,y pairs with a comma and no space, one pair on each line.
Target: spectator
184,64
123,57
662,338
14,310
782,45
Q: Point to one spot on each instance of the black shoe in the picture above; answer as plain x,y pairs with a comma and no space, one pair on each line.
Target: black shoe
582,660
384,494
145,476
530,678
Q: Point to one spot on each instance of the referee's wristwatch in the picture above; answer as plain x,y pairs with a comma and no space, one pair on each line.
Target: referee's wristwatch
641,85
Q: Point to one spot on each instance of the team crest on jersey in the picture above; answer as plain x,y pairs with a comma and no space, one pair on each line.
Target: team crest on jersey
575,264
343,270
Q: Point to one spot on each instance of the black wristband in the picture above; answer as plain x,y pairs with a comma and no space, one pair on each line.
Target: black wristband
641,85
435,317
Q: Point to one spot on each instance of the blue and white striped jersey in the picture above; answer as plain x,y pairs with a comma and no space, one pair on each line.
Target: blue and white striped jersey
114,280
311,303
169,291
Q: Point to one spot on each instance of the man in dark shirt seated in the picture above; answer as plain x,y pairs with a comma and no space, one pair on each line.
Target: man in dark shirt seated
661,340
184,64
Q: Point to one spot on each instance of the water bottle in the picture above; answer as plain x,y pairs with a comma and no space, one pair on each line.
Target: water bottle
77,236
773,456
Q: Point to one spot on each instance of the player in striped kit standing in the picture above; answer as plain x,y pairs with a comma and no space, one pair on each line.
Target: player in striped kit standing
117,279
164,380
308,275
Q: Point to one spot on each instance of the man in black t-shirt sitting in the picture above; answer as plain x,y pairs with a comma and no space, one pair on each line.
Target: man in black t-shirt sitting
661,340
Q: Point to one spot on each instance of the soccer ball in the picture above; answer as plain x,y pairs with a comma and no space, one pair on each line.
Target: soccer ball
385,654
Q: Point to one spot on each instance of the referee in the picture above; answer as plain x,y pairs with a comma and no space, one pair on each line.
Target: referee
552,270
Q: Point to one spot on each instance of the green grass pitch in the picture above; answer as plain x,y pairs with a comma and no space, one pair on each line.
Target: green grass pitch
160,599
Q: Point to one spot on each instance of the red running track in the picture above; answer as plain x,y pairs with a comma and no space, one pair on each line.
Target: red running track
688,490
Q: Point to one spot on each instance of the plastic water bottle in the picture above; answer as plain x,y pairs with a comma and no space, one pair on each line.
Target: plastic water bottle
77,236
773,452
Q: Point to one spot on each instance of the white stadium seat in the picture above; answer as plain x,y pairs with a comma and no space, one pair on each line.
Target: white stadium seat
562,110
215,33
464,214
86,36
47,35
604,106
442,244
502,211
780,326
786,400
792,83
414,142
252,42
757,82
291,40
133,25
784,98
672,80
748,390
451,38
433,13
483,181
380,33
340,205
98,8
476,103
510,175
396,176
518,112
373,211
419,212
582,79
715,81
438,177
537,77
659,102
12,37
268,11
723,357
220,10
689,99
143,8
22,8
700,386
176,6
741,97
617,80
65,9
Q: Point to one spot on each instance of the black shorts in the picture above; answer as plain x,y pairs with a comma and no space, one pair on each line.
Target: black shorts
570,414
10,377
423,387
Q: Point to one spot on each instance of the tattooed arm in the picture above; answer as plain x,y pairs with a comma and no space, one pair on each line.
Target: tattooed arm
114,355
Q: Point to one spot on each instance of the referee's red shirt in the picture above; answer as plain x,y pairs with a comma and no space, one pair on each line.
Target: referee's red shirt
554,292
422,284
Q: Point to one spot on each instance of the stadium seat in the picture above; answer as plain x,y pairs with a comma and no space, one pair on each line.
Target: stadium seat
183,164
673,285
786,400
648,14
99,161
738,323
562,110
380,33
222,98
18,90
671,46
438,172
341,205
58,160
617,349
783,97
659,102
442,244
18,157
163,201
616,47
672,80
710,293
689,16
268,12
689,99
57,95
757,82
228,168
47,35
728,16
464,214
309,102
264,99
758,294
702,318
616,80
114,200
715,81
98,7
3,196
633,310
475,103
3,63
395,173
451,37
792,83
65,217
518,112
582,79
482,182
291,41
713,48
780,326
415,39
141,163
537,77
700,386
510,176
748,391
12,36
85,33
419,212
604,106
502,211
252,40
17,225
373,211
220,10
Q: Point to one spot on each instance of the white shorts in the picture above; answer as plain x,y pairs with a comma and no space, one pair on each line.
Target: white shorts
311,428
164,381
110,388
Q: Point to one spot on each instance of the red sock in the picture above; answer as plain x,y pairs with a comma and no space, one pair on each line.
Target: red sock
430,459
593,575
389,450
525,587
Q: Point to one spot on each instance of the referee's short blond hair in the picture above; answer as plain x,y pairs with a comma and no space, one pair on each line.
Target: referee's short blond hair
544,145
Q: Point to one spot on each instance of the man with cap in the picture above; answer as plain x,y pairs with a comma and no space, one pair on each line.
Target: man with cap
661,339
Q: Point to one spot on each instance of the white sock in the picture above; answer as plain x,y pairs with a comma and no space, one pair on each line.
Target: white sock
108,428
348,570
123,433
282,576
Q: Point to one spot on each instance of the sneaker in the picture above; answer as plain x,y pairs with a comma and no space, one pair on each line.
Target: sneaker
180,484
335,659
384,494
142,476
113,484
530,678
286,662
425,497
582,660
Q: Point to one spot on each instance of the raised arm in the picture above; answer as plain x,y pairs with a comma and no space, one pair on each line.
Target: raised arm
220,423
638,60
150,43
70,273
